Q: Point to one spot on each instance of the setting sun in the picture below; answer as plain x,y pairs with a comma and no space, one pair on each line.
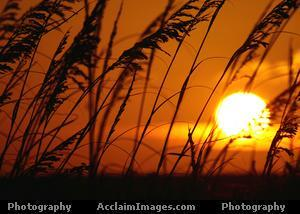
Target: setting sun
242,114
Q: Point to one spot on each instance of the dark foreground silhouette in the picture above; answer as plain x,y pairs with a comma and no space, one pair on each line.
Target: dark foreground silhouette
151,187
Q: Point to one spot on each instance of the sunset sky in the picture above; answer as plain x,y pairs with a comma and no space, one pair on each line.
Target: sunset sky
230,30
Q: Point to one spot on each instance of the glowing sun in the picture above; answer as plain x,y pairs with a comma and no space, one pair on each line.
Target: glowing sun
242,114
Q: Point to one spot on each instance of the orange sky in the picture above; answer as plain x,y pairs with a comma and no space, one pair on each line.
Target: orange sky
230,30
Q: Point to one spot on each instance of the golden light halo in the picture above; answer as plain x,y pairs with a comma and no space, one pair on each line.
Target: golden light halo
242,114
